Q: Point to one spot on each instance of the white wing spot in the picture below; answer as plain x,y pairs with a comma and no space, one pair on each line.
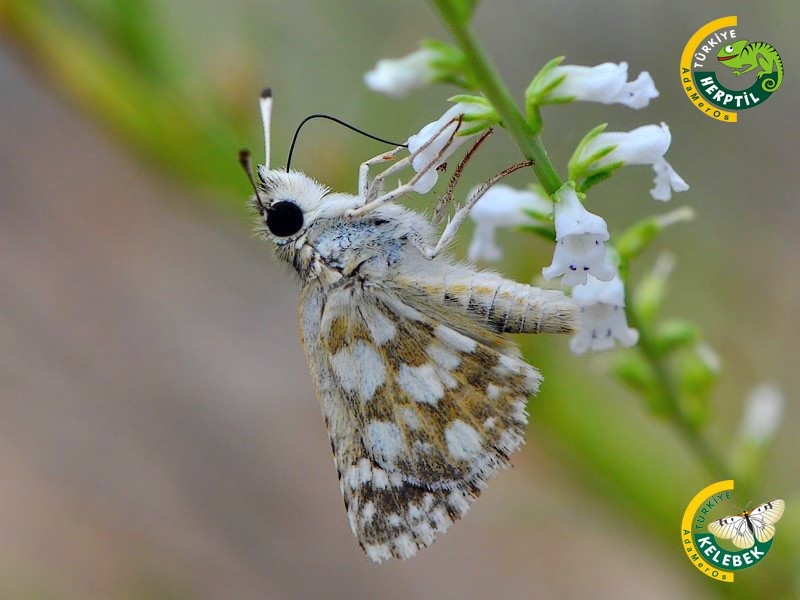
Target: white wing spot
384,441
424,533
440,519
380,327
394,520
364,471
351,477
405,546
458,502
463,442
455,340
489,423
492,391
410,417
378,552
414,512
532,379
421,383
520,413
449,381
368,512
443,357
380,480
359,369
508,366
509,441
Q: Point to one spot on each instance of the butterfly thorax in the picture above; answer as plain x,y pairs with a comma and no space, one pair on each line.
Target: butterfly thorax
333,250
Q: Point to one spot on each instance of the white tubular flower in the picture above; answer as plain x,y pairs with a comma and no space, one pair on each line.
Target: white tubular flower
644,145
603,317
502,206
399,76
415,142
606,83
762,414
580,250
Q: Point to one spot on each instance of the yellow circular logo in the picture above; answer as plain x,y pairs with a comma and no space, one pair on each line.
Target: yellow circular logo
718,542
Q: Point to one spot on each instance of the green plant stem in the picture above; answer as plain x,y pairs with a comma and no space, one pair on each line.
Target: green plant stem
528,141
715,464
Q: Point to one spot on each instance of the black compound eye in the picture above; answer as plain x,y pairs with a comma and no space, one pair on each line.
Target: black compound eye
284,218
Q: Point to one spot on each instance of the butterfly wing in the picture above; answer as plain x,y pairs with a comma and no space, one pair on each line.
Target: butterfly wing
733,528
764,517
420,416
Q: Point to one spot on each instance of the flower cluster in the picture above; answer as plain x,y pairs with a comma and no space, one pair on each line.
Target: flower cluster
674,370
581,259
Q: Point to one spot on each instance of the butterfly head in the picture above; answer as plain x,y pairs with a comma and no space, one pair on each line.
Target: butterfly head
287,203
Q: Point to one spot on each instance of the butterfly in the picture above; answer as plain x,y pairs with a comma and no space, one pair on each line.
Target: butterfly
423,397
744,529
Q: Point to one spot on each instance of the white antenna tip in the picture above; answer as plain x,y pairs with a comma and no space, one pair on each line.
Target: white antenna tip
265,103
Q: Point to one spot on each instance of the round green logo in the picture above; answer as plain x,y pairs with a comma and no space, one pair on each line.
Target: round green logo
722,72
719,540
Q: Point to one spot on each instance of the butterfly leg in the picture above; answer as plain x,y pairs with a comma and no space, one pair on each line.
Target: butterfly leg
448,195
458,217
363,171
407,187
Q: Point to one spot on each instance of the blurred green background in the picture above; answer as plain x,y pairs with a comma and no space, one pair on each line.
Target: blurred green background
159,436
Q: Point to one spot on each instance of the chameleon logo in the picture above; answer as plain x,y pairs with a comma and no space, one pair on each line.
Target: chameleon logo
753,55
708,82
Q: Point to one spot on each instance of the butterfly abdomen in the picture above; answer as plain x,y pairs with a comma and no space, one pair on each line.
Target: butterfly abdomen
501,305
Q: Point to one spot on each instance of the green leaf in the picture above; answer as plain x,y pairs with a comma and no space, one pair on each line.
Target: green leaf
594,179
574,167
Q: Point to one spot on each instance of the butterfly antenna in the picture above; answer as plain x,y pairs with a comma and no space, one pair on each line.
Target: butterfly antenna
244,160
340,122
265,103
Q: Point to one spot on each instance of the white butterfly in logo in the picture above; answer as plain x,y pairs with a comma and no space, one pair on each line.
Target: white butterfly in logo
743,530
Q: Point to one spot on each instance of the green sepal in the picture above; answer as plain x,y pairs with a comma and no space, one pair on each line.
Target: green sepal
537,90
450,64
594,179
477,121
580,169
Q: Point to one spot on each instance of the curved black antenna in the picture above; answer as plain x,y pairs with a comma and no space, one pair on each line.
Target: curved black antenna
340,122
244,160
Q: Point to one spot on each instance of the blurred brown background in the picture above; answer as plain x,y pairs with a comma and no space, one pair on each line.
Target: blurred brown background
159,436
